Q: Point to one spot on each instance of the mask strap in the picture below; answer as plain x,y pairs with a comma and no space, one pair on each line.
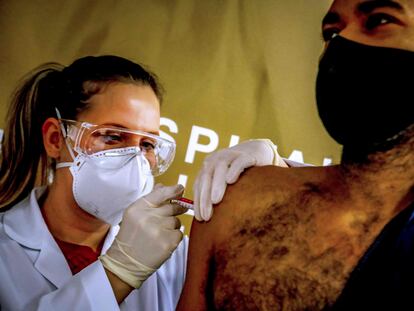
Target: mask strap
63,164
62,128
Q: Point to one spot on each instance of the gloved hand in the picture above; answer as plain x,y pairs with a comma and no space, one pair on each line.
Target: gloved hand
224,167
149,233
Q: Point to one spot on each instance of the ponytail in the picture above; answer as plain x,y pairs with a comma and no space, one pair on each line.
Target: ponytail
24,162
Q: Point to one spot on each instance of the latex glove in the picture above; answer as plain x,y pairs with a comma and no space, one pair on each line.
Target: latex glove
149,233
224,167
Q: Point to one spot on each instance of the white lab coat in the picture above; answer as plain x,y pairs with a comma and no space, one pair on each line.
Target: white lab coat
34,274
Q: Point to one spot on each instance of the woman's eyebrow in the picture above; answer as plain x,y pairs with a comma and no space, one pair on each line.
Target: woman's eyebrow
126,128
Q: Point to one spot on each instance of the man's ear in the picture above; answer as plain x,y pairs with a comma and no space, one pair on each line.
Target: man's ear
52,138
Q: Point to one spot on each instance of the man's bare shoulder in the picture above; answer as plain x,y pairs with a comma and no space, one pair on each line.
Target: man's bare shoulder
270,246
260,188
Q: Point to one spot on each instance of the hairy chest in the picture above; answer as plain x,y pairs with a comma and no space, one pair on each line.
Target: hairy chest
296,255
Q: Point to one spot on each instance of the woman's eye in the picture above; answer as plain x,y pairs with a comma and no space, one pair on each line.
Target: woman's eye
111,139
375,20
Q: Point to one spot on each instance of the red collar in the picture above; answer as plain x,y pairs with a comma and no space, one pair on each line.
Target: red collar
78,256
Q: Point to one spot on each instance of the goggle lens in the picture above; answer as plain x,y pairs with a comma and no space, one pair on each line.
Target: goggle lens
92,139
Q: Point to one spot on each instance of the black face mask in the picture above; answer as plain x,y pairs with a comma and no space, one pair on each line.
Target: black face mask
365,94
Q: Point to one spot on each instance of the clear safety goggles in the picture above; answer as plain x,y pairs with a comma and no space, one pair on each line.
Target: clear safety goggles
111,141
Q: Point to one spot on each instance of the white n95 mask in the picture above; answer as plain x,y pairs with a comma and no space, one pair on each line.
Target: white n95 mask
107,182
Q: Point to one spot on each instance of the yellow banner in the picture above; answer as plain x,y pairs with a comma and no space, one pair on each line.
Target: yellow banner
233,70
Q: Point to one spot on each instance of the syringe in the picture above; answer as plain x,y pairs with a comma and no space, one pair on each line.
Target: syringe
184,202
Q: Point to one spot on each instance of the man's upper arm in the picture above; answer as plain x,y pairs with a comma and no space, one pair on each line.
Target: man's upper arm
242,201
193,296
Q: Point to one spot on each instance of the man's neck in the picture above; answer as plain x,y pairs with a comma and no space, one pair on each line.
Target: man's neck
386,177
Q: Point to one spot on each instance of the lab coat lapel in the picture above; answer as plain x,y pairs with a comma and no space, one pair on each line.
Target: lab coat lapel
52,264
24,223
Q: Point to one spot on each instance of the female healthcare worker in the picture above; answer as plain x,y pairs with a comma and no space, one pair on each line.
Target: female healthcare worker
87,136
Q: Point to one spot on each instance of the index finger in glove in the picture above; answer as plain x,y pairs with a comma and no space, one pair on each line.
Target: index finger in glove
218,183
161,194
213,193
206,207
210,183
196,192
201,186
203,181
